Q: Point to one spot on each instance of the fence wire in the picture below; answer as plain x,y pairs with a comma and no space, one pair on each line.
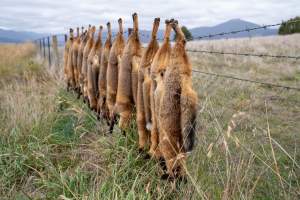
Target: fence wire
244,54
246,80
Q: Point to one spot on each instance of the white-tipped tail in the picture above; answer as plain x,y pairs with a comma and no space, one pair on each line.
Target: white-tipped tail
149,126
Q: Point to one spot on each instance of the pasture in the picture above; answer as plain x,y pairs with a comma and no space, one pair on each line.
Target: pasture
248,136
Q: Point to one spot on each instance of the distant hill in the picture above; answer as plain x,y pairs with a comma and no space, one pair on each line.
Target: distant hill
232,25
10,36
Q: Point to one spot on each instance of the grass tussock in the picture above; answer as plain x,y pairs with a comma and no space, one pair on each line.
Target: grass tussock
53,147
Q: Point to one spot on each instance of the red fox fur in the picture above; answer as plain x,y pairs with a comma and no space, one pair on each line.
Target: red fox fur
82,44
88,47
113,66
144,84
67,60
102,107
75,51
178,104
94,60
127,84
160,63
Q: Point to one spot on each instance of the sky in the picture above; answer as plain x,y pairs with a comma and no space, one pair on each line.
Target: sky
56,16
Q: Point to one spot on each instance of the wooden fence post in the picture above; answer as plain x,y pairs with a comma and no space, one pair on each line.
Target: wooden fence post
44,48
49,53
55,50
40,46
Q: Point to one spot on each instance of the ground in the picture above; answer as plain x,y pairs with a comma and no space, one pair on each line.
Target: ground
53,147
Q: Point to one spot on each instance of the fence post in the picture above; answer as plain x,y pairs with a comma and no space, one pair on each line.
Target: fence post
40,46
49,53
44,48
55,50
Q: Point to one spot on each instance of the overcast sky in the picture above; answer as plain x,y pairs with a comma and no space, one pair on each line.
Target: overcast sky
58,15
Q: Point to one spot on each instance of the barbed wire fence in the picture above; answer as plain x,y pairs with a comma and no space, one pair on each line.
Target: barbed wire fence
51,50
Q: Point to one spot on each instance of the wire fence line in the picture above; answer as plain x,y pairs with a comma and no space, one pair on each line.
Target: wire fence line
243,54
52,55
245,80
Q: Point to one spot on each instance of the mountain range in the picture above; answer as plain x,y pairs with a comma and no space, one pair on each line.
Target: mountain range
233,25
10,36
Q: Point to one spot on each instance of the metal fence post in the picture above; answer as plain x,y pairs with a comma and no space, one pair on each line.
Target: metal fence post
49,53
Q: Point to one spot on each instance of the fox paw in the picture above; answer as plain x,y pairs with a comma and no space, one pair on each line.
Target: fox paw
167,177
162,163
144,154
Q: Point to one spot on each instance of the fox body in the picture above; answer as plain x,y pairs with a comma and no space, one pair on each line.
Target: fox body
102,107
128,76
144,85
177,104
94,60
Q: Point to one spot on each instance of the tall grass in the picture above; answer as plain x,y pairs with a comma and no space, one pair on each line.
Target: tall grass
53,147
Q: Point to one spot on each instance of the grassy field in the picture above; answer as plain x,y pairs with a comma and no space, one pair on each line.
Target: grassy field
248,138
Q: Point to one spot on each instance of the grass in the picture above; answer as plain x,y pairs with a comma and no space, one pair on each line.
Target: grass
53,147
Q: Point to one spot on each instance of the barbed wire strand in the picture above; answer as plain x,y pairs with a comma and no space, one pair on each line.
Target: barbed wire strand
243,54
246,80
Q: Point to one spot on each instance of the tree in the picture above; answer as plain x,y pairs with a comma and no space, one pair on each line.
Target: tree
188,35
289,27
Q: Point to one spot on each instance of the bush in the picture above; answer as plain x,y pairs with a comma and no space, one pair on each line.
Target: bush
290,27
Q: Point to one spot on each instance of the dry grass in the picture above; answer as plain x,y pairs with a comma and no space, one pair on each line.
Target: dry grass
267,69
248,140
15,61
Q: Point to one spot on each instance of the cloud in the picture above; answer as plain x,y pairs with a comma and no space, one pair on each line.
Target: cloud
57,16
